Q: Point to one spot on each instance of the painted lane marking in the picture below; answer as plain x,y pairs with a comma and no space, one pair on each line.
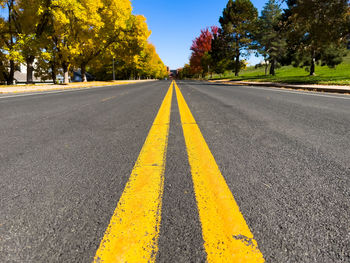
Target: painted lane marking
107,99
132,235
227,237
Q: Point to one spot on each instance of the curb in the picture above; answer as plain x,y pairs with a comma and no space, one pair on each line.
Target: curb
316,88
68,88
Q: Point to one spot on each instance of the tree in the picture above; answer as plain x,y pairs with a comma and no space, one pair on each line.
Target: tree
67,18
150,65
221,55
271,43
70,34
108,23
10,52
317,31
238,21
23,38
89,34
133,46
135,57
201,47
206,63
30,35
185,72
144,65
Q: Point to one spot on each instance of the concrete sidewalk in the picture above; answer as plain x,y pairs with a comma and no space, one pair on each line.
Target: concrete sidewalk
74,85
310,87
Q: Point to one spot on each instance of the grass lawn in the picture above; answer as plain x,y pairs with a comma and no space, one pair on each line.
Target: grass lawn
289,74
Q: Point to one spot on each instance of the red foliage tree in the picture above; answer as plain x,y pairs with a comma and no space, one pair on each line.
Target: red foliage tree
200,46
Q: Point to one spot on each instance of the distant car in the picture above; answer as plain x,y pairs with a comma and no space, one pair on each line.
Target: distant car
77,76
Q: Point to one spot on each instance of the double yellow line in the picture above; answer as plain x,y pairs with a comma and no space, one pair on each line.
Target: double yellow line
132,235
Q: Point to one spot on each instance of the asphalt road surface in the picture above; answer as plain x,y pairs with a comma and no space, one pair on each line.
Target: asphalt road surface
67,159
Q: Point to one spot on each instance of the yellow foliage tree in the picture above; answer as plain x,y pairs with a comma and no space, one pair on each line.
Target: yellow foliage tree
127,49
109,24
150,65
67,19
32,20
10,54
68,34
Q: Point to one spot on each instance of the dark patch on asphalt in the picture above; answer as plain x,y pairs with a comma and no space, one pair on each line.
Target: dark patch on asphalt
246,240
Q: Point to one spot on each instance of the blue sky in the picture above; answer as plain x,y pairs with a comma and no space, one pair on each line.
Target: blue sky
175,24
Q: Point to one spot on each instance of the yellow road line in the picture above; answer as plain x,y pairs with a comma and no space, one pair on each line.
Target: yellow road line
227,237
110,98
132,235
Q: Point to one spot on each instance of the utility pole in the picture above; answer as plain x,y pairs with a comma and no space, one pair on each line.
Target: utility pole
113,70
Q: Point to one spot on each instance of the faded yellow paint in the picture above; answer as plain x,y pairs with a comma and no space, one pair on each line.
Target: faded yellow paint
107,99
132,235
227,237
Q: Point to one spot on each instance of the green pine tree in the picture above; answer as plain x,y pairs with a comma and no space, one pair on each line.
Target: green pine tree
221,54
238,22
271,42
317,31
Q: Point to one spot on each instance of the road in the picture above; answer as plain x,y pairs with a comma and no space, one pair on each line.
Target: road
72,162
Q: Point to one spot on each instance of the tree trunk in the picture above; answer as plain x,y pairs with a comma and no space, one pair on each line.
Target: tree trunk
312,68
66,73
272,67
53,72
4,72
83,72
266,67
237,67
12,73
30,69
12,63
